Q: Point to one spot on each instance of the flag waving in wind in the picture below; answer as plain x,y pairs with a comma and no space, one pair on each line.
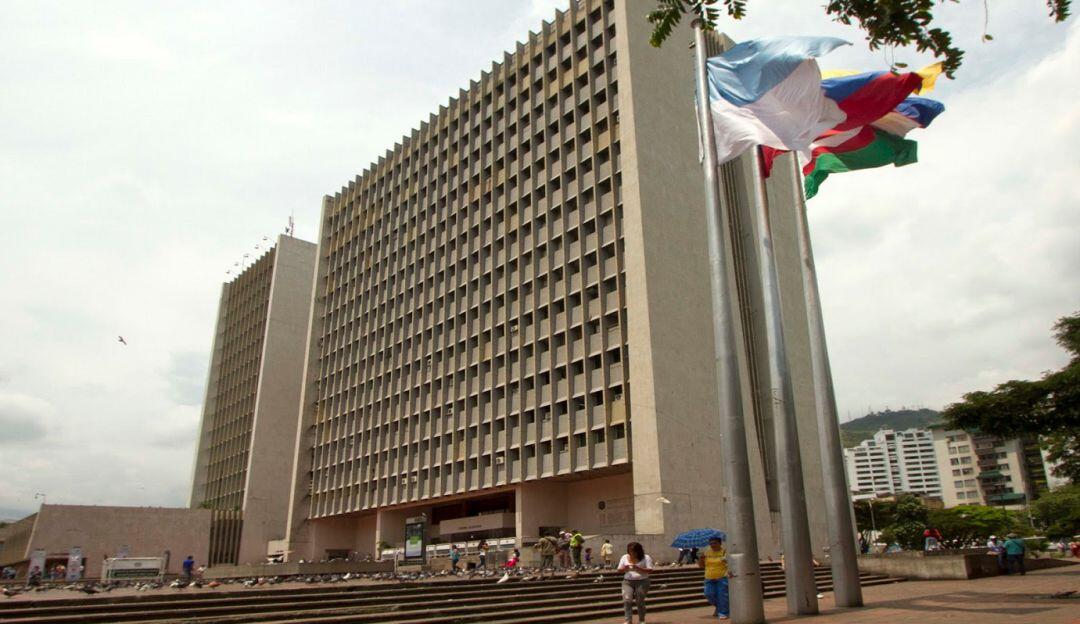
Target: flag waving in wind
768,92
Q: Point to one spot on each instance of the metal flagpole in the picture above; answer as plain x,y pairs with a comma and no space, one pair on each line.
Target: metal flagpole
794,524
742,551
844,561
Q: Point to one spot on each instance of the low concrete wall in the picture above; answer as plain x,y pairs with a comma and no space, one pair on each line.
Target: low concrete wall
296,568
917,565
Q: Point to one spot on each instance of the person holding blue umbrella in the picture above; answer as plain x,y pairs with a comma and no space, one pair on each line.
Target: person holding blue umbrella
714,562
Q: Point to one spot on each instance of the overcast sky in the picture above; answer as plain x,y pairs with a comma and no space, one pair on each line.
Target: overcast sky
144,147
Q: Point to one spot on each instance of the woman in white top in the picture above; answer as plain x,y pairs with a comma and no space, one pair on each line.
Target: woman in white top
636,567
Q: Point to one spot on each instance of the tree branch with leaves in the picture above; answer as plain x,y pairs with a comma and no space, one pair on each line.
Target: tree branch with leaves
898,23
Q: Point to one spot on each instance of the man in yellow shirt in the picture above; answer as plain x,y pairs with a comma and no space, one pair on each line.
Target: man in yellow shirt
714,561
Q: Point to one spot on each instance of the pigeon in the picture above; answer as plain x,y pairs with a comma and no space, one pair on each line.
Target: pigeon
213,584
89,591
599,579
505,577
122,341
11,593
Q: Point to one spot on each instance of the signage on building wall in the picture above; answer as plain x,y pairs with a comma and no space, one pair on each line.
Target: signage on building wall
132,568
37,560
74,564
414,538
476,524
616,515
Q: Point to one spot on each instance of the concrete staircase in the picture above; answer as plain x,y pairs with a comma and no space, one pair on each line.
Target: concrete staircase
431,602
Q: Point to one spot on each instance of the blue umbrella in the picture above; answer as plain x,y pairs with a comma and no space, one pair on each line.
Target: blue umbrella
697,538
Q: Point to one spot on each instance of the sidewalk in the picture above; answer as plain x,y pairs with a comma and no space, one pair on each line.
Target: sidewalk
983,601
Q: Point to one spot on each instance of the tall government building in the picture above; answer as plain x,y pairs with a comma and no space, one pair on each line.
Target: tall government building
248,431
511,324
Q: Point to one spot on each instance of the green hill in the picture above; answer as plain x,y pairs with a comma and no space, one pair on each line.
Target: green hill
855,431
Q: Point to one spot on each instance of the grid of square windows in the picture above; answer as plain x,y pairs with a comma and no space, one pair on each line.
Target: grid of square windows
228,434
471,288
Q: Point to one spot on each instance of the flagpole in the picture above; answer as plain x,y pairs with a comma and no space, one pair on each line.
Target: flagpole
844,561
794,524
747,606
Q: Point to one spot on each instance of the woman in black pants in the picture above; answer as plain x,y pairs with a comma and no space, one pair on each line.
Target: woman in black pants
636,567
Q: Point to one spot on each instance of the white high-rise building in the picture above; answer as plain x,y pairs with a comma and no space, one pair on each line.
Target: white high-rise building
892,462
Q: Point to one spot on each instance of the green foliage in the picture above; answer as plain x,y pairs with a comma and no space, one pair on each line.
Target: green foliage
886,22
974,522
854,431
1047,407
1058,511
879,513
668,14
909,523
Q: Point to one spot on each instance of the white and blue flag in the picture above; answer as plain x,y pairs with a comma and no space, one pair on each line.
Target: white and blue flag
768,92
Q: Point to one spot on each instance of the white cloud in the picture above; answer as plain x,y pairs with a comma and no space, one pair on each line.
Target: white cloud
23,418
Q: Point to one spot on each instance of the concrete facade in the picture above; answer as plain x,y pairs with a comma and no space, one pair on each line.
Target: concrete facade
985,470
101,532
511,309
248,430
893,462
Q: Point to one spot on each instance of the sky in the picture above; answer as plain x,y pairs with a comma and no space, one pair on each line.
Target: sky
145,147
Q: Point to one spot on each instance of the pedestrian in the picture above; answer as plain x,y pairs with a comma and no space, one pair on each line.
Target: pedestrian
34,578
512,562
864,546
547,547
606,550
1014,553
693,555
564,549
636,567
189,565
455,556
588,557
482,549
714,562
997,549
931,540
577,542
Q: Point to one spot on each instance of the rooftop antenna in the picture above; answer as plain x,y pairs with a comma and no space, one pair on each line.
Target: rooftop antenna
292,226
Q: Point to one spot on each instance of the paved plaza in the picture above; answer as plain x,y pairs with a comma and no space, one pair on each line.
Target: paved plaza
985,601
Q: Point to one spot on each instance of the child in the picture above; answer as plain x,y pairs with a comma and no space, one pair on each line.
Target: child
588,557
605,552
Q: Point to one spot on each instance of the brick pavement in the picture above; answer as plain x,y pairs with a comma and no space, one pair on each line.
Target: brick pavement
992,600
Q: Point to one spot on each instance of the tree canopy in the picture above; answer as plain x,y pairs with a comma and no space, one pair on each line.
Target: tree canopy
886,22
1058,511
1048,407
975,522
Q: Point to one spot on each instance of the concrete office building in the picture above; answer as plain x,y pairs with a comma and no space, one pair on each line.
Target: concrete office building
511,329
248,431
986,470
893,462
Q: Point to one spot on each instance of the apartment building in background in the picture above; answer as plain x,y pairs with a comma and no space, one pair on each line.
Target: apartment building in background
511,332
893,462
247,435
986,470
